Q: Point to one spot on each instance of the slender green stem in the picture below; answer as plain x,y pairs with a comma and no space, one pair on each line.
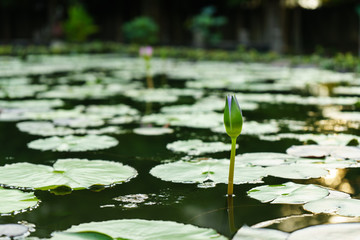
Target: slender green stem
230,208
149,80
231,168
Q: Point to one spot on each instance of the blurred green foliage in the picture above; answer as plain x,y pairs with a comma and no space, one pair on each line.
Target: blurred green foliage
141,30
206,24
79,25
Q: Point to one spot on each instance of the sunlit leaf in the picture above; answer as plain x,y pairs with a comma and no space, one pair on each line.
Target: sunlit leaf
73,173
290,193
13,200
74,143
148,230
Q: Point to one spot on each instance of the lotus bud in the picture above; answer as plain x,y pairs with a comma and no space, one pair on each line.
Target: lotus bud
146,52
233,119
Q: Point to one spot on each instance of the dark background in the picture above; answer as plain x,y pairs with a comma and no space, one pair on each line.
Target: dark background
268,24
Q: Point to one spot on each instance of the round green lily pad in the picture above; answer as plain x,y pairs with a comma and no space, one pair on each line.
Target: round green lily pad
290,193
253,128
73,173
297,171
321,139
265,158
108,111
200,171
153,131
13,200
343,231
318,151
31,104
43,128
248,233
339,206
148,230
13,230
197,147
74,143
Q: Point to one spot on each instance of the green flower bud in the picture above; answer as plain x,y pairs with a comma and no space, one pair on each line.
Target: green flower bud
233,119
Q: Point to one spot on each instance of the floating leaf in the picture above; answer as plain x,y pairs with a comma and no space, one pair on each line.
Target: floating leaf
31,104
297,171
161,95
108,111
13,200
79,122
153,131
89,235
253,128
317,151
265,158
43,128
147,229
290,193
74,143
73,173
248,233
339,206
198,120
13,230
197,147
212,170
321,139
343,231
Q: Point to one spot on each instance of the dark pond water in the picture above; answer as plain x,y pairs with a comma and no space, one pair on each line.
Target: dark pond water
184,203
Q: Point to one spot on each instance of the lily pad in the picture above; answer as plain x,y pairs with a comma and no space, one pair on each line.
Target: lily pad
153,131
253,128
290,193
321,139
198,120
161,94
13,230
109,111
89,235
147,230
210,170
248,233
197,147
343,231
31,104
73,173
43,128
265,158
13,200
79,122
297,171
339,206
74,143
317,151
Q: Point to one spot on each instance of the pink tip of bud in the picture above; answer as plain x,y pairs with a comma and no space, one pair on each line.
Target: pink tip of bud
146,51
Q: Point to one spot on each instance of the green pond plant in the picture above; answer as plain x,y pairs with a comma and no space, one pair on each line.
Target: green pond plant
146,53
233,122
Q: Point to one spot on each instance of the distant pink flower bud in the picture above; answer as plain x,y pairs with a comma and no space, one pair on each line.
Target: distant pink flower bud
146,51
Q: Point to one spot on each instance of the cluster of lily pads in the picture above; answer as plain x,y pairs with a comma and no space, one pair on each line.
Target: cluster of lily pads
56,110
